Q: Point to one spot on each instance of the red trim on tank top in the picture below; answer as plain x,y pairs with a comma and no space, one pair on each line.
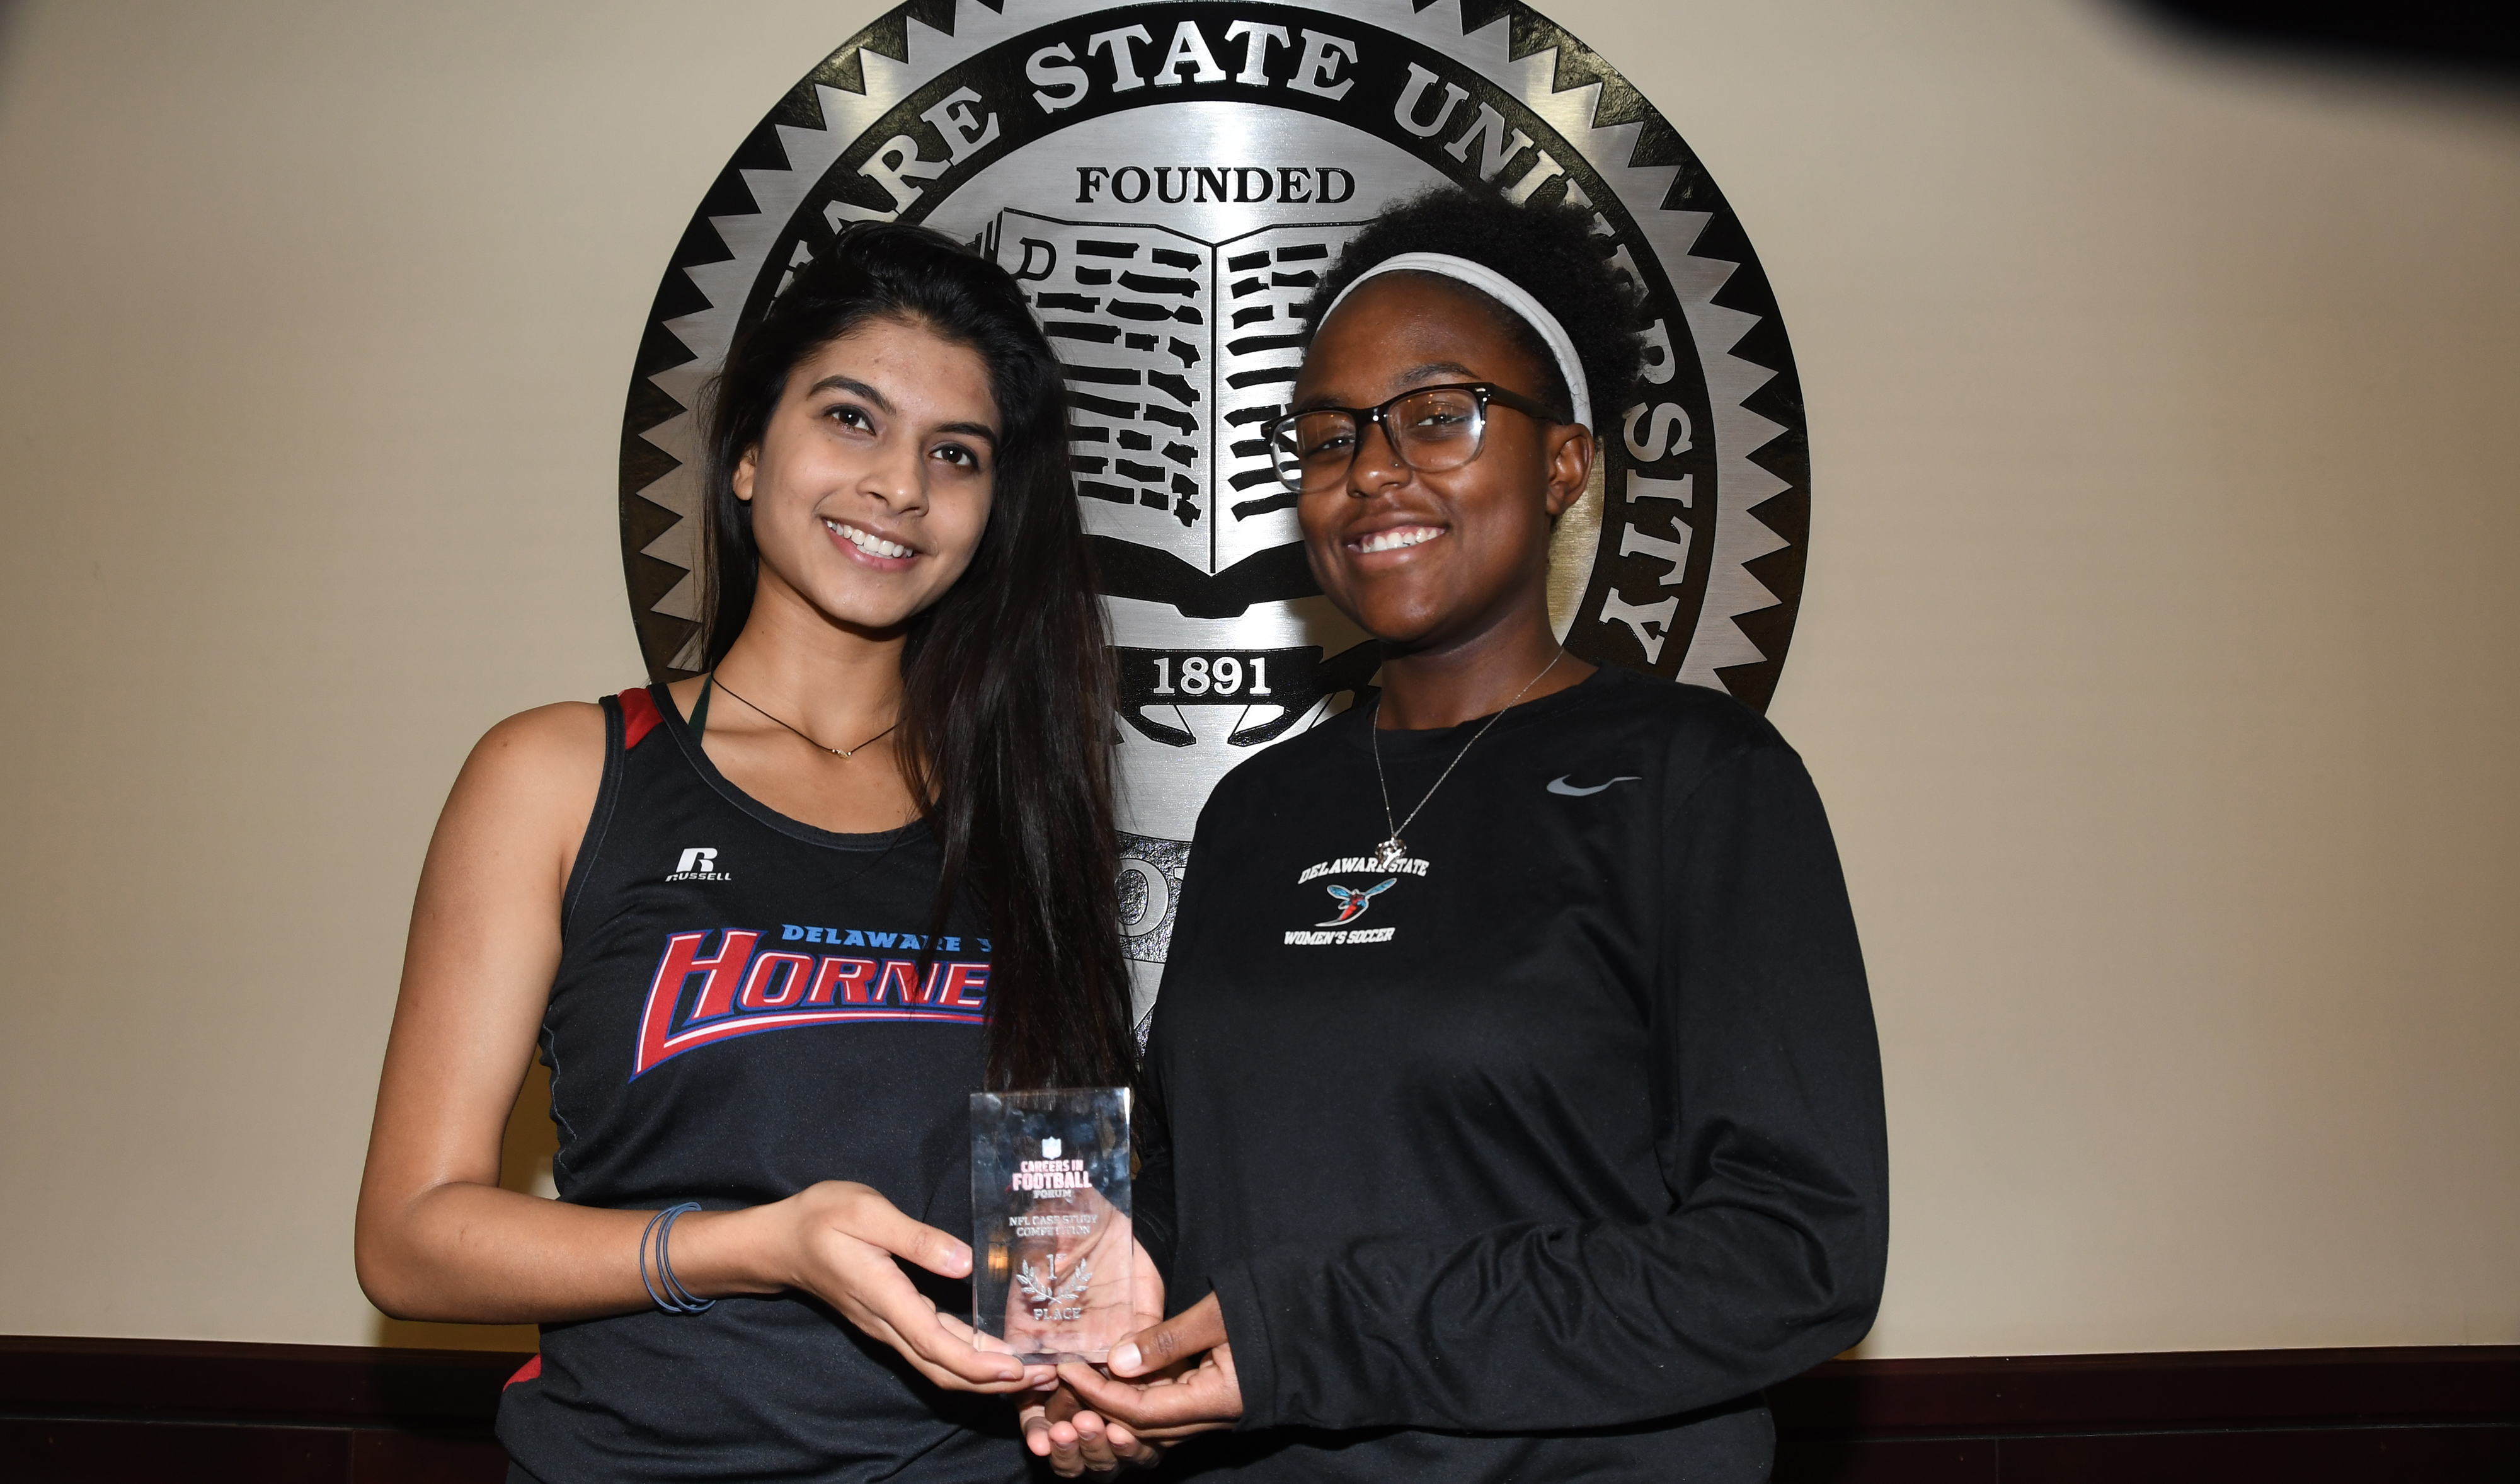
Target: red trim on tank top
532,1368
639,717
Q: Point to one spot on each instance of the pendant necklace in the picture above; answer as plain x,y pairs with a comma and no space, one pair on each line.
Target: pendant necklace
841,752
1388,855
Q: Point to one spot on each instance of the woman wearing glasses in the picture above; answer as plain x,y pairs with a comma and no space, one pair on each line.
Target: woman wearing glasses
1513,1104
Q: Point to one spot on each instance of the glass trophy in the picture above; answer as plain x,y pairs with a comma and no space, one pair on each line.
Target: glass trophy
1053,1255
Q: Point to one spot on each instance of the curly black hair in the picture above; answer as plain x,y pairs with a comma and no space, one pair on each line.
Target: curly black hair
1549,250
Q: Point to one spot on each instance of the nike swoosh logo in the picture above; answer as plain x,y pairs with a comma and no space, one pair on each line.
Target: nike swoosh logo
1561,785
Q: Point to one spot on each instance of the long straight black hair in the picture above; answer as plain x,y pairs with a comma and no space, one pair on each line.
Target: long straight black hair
1008,691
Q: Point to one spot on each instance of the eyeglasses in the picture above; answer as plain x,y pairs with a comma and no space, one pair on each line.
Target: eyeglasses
1430,429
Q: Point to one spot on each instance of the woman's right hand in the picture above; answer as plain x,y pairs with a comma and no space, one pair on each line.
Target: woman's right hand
438,1238
837,1240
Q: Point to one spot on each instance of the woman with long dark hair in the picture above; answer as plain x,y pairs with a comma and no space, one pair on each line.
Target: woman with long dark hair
769,926
1513,1109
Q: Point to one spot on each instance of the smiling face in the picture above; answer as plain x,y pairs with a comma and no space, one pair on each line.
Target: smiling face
1431,560
872,483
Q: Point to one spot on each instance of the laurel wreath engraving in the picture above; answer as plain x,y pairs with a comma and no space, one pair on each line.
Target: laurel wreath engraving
1046,1288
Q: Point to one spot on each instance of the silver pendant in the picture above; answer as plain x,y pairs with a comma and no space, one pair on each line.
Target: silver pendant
1388,855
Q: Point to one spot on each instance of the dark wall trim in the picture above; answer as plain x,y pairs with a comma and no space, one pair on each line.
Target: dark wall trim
214,1381
103,1412
110,1410
2396,1415
2163,1390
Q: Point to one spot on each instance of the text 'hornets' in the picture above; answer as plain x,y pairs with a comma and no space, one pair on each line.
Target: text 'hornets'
715,983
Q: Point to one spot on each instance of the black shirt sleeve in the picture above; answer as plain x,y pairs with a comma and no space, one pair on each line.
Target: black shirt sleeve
1152,1206
1769,1136
1150,1189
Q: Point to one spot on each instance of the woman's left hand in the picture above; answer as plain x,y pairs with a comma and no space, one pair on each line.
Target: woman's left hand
1058,1425
1076,1441
1169,1404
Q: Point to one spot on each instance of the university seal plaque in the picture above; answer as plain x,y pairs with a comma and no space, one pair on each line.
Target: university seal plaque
1168,180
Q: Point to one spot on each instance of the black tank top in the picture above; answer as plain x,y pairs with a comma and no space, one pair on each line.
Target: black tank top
741,1010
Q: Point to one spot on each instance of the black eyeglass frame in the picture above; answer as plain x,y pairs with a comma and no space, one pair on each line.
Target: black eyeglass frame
1484,391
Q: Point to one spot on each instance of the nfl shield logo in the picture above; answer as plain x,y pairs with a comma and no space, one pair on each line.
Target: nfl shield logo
1049,1148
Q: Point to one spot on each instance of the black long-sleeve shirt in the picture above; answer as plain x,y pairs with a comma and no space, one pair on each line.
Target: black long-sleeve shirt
1539,1160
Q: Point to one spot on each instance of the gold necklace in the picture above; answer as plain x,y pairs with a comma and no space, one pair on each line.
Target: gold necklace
841,752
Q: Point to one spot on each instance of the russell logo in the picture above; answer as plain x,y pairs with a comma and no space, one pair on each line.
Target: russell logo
699,863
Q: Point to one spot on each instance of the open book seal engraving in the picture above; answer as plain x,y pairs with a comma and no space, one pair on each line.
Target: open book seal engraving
1168,183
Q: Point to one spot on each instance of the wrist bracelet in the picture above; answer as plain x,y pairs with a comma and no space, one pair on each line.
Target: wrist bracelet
675,1299
692,1303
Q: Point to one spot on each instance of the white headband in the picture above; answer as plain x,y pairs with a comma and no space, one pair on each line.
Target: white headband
1503,290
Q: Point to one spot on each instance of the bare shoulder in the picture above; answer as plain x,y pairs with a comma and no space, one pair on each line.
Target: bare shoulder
545,765
565,735
547,746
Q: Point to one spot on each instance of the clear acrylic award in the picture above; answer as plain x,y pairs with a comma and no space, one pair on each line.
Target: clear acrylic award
1052,1253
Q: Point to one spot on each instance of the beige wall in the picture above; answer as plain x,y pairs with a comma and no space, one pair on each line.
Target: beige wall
2158,663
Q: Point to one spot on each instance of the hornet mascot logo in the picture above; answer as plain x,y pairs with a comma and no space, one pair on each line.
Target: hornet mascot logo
1352,903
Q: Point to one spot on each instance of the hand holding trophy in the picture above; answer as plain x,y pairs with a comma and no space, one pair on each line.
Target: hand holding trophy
1056,1263
1057,1274
1057,1424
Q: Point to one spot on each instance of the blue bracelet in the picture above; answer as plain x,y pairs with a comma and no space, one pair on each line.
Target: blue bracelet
692,1303
649,1230
676,1299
